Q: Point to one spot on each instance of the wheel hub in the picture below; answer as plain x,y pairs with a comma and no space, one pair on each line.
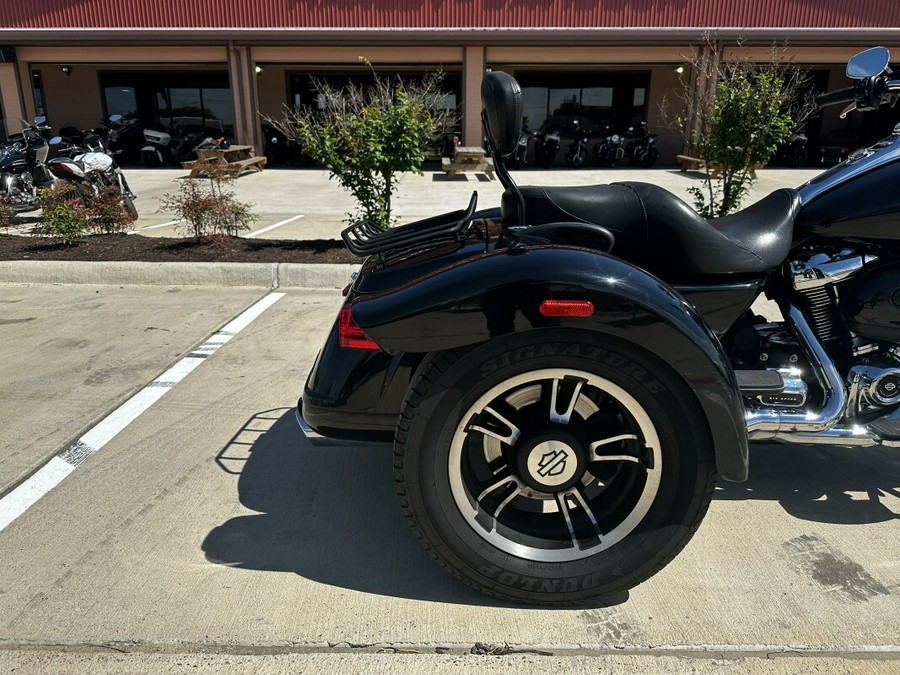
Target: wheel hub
552,462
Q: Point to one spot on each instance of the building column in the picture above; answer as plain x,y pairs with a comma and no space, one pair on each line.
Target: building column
242,77
10,94
473,74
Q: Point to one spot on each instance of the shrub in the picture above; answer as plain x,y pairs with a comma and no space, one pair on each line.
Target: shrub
64,214
7,212
208,209
735,113
365,134
107,212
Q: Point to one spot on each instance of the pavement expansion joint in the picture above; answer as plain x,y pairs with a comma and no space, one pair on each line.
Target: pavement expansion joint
722,652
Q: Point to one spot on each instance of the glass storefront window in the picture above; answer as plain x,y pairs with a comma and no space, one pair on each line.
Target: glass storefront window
218,110
120,101
37,86
191,100
597,100
187,107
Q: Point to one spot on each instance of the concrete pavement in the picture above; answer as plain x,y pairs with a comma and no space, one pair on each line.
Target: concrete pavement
279,196
209,533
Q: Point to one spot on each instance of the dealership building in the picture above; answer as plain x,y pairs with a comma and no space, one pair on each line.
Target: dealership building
226,64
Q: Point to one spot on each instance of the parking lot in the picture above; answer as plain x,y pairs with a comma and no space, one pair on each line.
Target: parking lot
193,525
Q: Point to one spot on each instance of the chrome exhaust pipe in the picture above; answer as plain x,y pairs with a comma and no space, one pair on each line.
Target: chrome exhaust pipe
807,426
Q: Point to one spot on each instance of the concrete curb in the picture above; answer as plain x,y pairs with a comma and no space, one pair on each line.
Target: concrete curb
265,275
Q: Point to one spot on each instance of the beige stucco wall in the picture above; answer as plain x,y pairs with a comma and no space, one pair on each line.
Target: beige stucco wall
72,99
273,91
9,96
77,100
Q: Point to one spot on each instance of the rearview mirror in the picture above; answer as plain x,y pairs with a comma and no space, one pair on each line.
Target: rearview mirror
869,63
40,119
115,118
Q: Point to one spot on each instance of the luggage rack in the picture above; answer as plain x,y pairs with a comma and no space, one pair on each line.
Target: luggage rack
364,238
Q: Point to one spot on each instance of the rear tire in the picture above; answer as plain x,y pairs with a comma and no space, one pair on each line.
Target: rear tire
531,507
649,158
129,207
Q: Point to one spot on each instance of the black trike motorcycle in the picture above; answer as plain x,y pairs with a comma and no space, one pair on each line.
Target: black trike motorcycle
565,377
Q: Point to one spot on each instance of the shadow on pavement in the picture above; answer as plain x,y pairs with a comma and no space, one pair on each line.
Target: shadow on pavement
329,514
822,483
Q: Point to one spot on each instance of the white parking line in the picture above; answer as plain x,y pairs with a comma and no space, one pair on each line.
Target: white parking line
271,227
53,472
153,227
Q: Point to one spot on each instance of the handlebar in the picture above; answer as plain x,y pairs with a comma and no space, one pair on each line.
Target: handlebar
845,95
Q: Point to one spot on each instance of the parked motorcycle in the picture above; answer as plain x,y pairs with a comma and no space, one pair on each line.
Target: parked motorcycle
22,165
565,376
610,149
275,146
518,159
173,146
123,139
641,146
546,146
90,170
578,150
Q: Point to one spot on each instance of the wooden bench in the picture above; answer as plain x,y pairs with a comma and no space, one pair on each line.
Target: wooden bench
234,161
689,163
468,161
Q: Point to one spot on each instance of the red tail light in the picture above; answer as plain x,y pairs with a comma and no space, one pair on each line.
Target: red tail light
576,308
351,335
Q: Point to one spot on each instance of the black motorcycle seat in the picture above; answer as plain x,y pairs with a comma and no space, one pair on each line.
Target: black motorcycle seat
658,231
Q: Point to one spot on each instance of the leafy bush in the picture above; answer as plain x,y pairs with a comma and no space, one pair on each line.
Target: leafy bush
736,112
208,209
365,134
67,215
64,214
7,212
107,212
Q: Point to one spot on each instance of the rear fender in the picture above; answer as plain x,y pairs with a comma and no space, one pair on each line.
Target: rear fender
499,293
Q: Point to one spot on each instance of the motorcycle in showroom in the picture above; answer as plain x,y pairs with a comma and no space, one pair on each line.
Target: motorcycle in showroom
641,146
577,154
610,149
546,146
518,159
565,377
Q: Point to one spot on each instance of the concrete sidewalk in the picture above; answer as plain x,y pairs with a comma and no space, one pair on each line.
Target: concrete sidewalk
306,204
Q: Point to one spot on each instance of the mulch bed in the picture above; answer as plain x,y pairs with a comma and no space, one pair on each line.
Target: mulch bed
162,249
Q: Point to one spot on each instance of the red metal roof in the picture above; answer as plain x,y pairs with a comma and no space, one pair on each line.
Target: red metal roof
448,13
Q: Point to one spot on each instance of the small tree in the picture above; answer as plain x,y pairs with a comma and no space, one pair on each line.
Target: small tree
208,208
736,112
366,134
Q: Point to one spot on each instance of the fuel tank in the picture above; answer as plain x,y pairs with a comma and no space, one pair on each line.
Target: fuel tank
858,198
871,305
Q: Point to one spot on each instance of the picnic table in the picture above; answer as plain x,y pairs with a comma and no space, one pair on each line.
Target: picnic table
234,160
468,159
689,163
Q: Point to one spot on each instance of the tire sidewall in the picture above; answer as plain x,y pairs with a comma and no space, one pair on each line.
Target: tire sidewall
685,452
